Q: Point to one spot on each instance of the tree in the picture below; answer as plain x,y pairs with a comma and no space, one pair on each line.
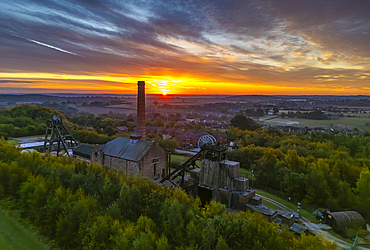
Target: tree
158,122
244,123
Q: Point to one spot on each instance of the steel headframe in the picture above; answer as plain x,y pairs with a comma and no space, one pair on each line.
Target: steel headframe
57,133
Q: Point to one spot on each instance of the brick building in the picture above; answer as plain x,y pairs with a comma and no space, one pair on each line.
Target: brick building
132,155
122,129
220,137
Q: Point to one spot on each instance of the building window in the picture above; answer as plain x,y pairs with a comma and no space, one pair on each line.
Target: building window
155,160
155,169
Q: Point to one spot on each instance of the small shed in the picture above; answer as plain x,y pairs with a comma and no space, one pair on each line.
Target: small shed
342,220
287,217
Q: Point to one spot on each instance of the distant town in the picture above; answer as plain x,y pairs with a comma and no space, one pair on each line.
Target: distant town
295,114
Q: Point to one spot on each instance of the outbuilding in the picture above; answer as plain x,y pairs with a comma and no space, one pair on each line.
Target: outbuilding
341,221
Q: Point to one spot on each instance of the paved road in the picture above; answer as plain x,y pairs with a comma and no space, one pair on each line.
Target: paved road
316,229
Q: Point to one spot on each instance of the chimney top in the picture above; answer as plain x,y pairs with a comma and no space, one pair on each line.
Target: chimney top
135,137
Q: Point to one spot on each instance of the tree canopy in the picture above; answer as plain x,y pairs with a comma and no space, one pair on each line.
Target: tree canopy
78,205
244,123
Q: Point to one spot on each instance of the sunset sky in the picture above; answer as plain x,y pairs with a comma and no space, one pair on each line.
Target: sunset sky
185,46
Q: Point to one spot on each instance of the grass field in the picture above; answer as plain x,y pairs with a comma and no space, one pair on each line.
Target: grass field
302,211
359,121
180,159
268,204
14,235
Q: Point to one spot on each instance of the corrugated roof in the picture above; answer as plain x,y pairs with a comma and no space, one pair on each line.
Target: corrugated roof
122,147
350,219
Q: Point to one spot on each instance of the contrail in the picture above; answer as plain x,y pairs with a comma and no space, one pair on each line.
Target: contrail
52,47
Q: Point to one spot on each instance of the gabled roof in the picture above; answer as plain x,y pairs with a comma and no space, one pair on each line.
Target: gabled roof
191,131
160,129
222,134
193,136
179,130
122,147
285,214
169,130
182,137
122,128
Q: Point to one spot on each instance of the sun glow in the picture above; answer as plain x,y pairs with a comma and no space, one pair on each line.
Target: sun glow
160,84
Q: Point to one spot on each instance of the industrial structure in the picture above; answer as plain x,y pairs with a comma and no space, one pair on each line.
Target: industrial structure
216,179
141,128
57,133
341,221
131,155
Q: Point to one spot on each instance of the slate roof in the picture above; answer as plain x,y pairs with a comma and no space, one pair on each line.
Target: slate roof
182,137
159,129
83,150
193,136
122,147
216,135
179,130
122,128
169,130
191,131
200,133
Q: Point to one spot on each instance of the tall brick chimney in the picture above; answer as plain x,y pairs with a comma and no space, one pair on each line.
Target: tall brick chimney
141,128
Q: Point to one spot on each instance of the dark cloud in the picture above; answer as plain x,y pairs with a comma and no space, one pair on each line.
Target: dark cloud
15,81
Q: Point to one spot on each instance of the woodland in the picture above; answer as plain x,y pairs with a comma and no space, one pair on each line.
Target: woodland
321,169
78,205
